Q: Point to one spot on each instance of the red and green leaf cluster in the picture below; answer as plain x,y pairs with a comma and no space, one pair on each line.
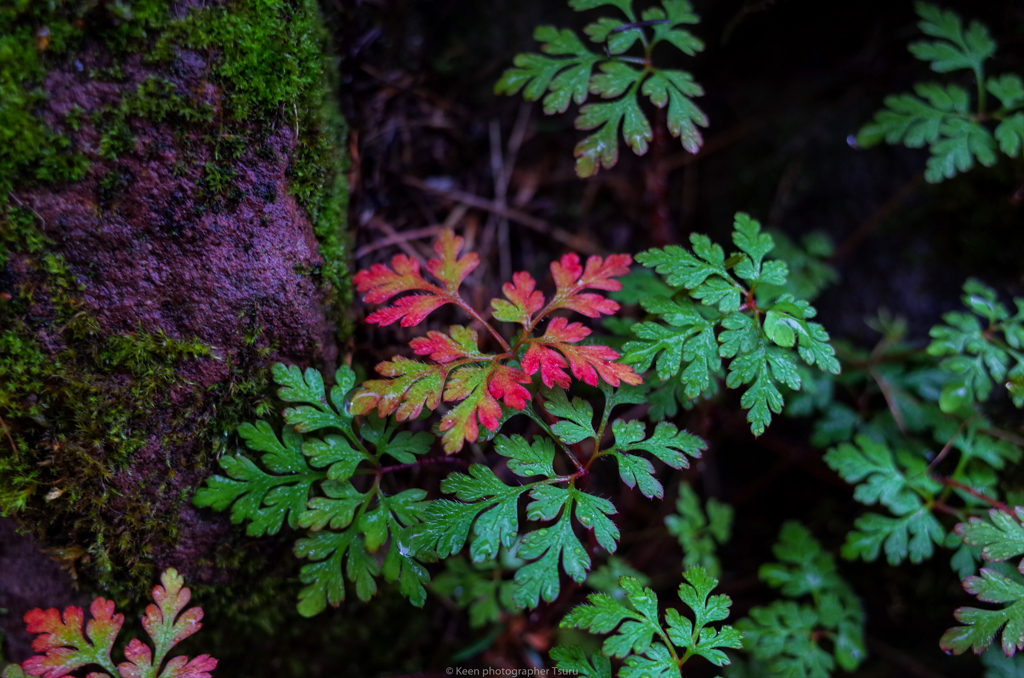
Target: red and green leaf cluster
476,382
63,648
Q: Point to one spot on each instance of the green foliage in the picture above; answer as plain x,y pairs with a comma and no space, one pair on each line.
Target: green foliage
569,72
638,636
980,355
479,587
487,508
807,263
998,665
334,485
942,116
899,482
1000,537
717,313
347,526
700,532
30,149
667,444
786,636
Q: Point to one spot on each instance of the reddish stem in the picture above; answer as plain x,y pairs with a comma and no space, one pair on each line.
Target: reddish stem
995,503
477,317
422,462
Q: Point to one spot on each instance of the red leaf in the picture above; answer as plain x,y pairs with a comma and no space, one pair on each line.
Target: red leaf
140,664
410,310
443,348
550,364
524,297
586,362
380,283
416,385
571,279
62,640
505,384
162,621
199,667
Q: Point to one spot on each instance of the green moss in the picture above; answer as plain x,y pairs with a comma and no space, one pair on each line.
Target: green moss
78,402
28,147
272,67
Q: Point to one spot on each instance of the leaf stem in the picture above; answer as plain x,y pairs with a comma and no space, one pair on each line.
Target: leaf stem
994,503
461,303
532,414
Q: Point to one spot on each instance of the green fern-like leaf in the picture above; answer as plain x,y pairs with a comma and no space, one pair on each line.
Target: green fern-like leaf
267,499
306,484
1000,537
700,531
568,72
787,635
636,632
980,355
758,333
959,134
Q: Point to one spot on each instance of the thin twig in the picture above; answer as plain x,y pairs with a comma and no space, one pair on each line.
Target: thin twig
42,222
1005,435
713,145
403,243
498,170
883,386
945,449
876,219
399,237
561,235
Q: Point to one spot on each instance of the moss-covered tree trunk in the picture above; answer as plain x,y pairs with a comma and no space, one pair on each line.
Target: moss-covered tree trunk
171,214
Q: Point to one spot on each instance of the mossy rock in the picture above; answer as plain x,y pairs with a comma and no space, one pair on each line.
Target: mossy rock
172,204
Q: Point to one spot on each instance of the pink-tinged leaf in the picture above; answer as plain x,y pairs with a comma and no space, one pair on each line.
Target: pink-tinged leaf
586,362
459,425
380,283
181,667
571,279
409,310
506,384
523,300
415,385
449,268
62,640
66,649
162,621
442,348
140,660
